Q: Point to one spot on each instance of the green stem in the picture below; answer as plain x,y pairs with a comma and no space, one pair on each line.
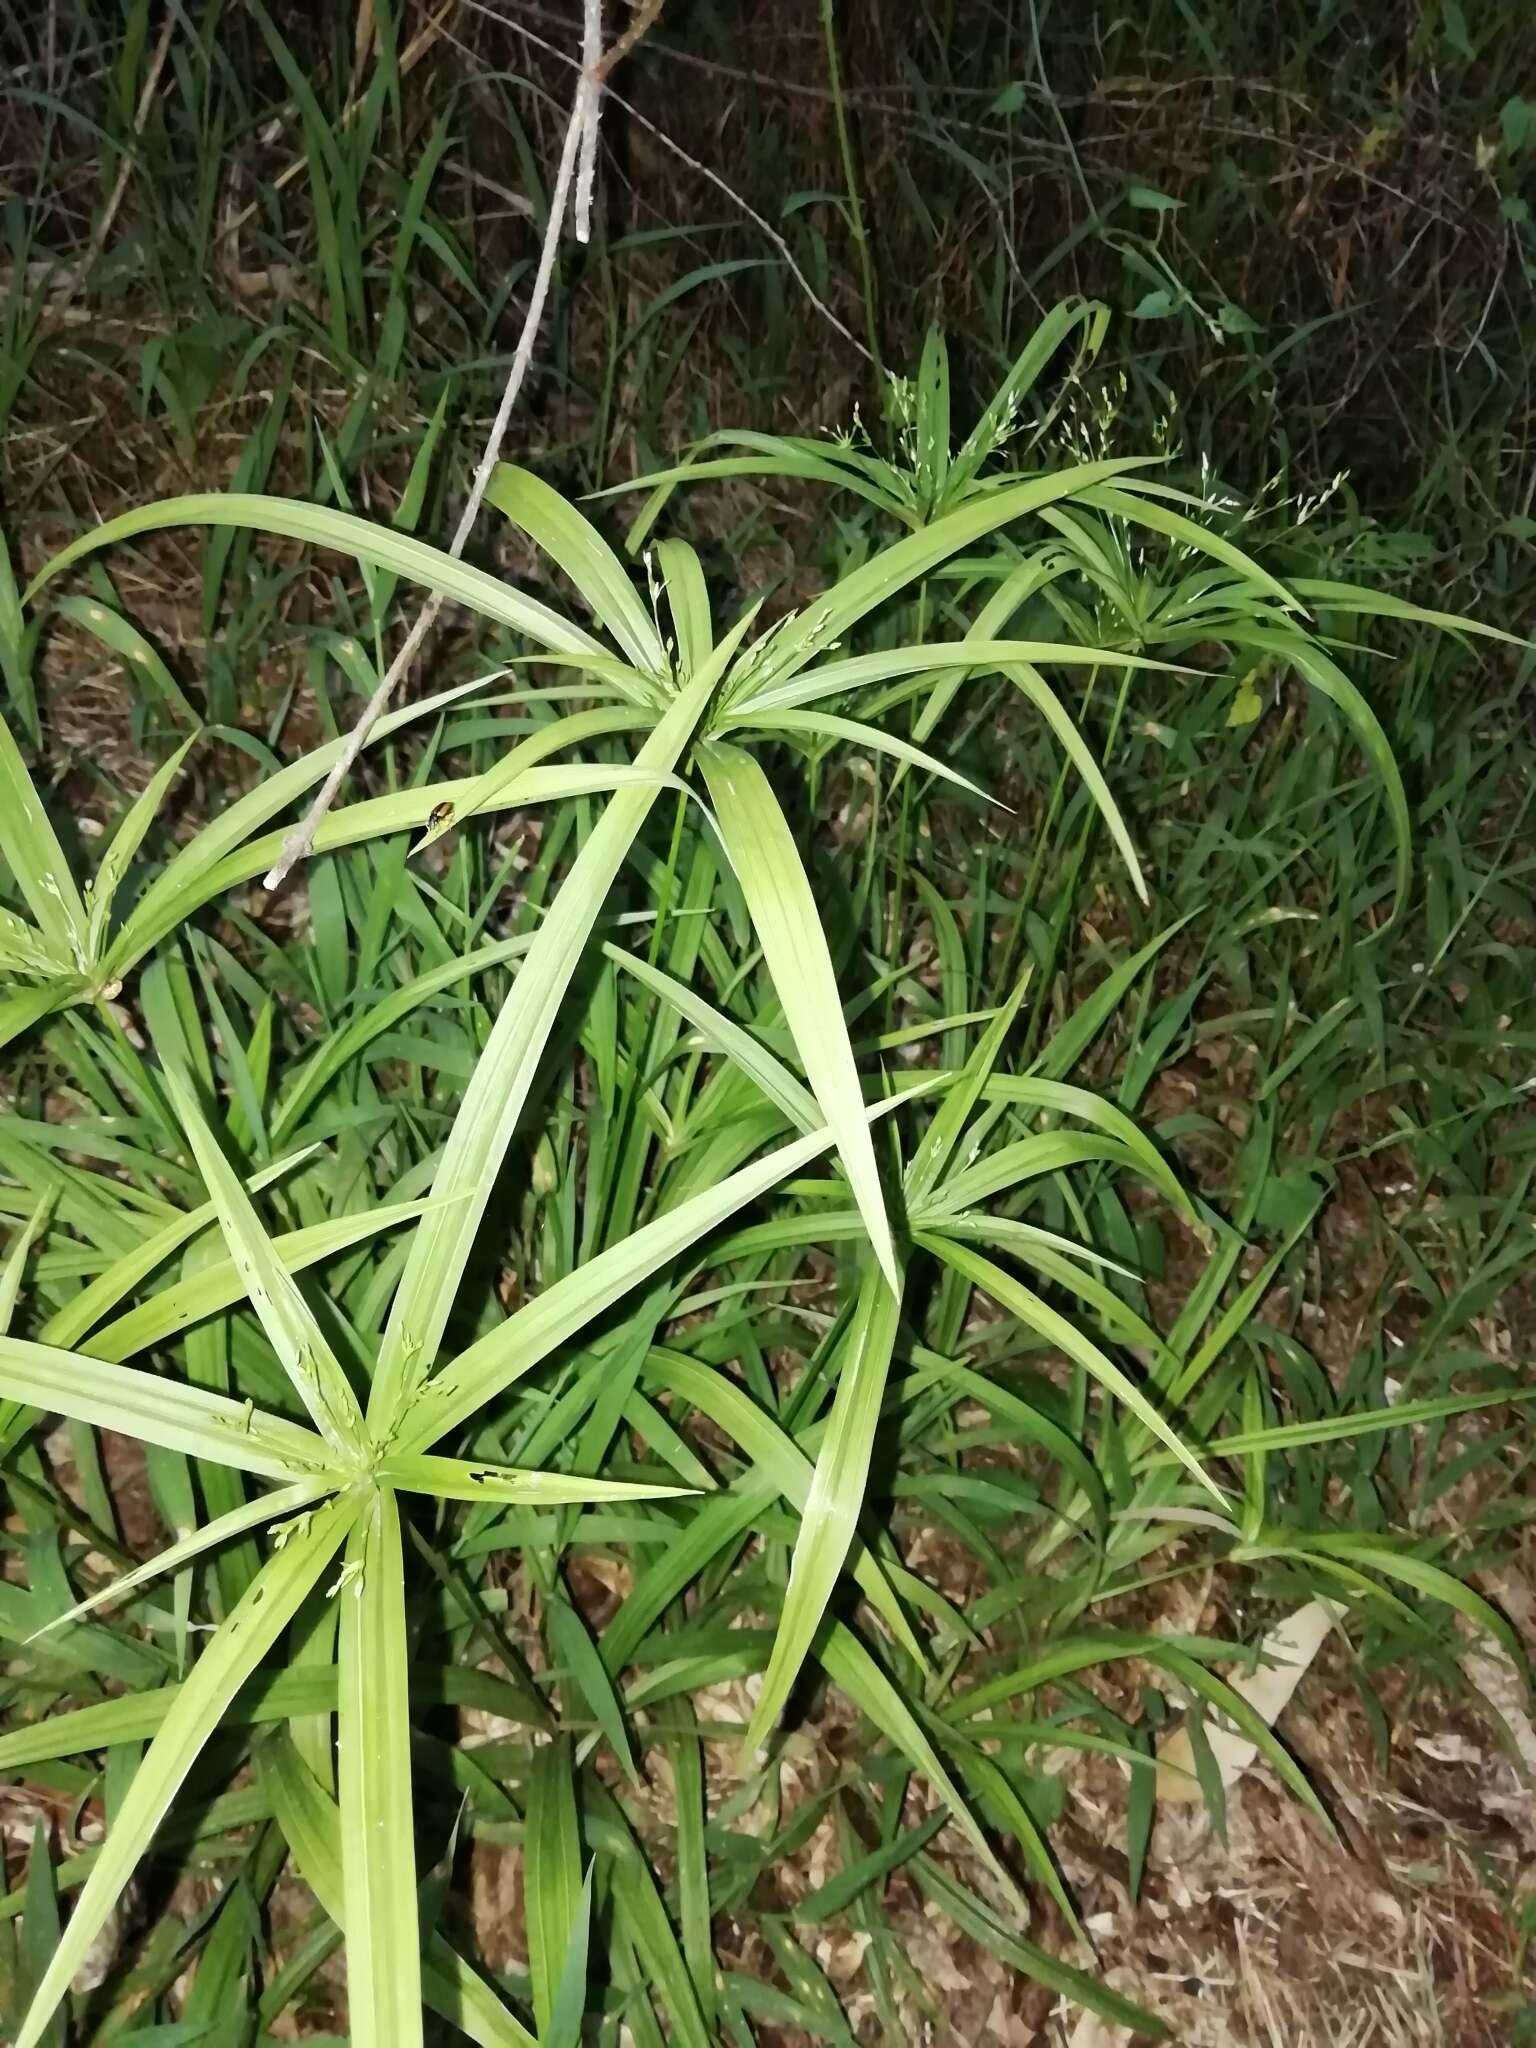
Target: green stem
855,209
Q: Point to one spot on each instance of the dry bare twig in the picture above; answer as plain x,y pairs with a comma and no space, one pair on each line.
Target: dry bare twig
580,143
713,177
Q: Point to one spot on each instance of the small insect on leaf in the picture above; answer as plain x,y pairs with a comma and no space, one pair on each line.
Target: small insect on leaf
439,821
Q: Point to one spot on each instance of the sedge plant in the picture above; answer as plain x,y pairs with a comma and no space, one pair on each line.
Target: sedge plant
386,1394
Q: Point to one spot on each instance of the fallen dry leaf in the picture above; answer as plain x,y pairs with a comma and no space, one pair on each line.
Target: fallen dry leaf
1288,1650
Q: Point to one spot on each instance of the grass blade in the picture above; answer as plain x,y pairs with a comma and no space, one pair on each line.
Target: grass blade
960,1098
762,850
895,567
220,1283
231,1655
16,1259
1330,681
491,1365
553,1889
322,526
1037,1315
504,1074
856,732
776,1454
459,1479
126,841
836,1495
373,1747
159,1411
798,1104
575,543
311,1823
36,859
285,1315
688,600
849,1665
1080,754
267,1507
188,878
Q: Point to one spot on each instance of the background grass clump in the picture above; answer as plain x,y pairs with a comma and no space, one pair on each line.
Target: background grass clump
714,1382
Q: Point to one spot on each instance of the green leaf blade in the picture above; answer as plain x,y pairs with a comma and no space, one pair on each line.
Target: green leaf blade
836,1495
767,863
378,1848
231,1655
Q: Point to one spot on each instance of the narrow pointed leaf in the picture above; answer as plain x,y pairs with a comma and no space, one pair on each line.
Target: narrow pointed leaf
344,1046
267,1507
1249,1722
1037,1315
463,1479
491,1365
1080,1986
32,852
574,542
552,1887
480,792
856,733
187,878
1393,1562
1141,500
159,1411
16,1259
230,1656
1025,1159
769,1072
219,1284
688,598
25,1007
1065,1098
505,1073
1092,315
836,1495
126,841
1030,1423
84,1310
381,547
404,809
895,567
1330,681
962,1095
1080,754
285,1315
643,1916
373,1748
858,671
777,1454
767,861
311,1823
849,1665
1382,604
40,1928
